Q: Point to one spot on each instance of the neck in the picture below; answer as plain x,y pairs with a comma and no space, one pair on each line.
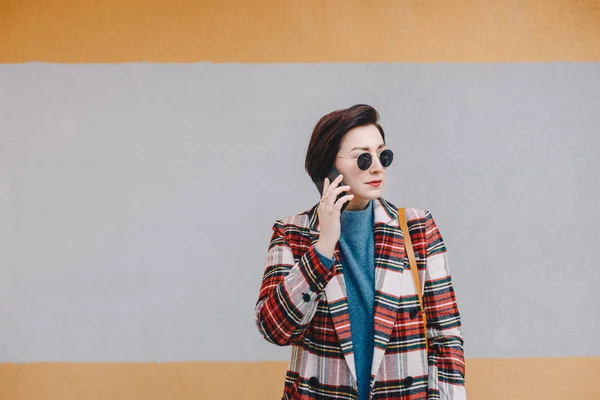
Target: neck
357,204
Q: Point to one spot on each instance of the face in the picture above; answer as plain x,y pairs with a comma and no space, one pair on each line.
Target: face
363,139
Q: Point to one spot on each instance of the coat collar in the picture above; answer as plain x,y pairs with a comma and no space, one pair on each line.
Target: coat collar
389,267
383,213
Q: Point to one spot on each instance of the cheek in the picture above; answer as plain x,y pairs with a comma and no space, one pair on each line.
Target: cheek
355,182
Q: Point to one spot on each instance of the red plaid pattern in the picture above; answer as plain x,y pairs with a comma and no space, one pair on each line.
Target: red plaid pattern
303,304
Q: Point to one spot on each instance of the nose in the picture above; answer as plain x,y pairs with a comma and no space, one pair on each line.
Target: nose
376,166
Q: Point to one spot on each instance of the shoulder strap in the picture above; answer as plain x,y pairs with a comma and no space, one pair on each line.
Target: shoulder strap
413,266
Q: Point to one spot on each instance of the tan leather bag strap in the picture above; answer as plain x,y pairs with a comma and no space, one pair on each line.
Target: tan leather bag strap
413,266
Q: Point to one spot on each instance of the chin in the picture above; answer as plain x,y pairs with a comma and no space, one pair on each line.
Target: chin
371,195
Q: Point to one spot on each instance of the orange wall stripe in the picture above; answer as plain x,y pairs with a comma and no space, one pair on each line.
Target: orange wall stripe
487,379
73,31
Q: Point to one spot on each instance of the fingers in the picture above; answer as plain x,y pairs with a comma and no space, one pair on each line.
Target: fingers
332,196
339,190
332,190
325,185
337,180
331,185
342,200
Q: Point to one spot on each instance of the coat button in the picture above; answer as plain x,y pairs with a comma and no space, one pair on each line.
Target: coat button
306,297
408,381
414,312
416,254
314,382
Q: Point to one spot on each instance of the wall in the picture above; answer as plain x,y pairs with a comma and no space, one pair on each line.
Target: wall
141,140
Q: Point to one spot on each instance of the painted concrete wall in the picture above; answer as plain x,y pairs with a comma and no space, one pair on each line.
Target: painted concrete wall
125,186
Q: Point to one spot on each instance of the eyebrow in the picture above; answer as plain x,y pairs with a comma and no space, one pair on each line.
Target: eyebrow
366,148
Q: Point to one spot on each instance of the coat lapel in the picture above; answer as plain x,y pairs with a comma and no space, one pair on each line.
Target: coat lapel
389,265
337,300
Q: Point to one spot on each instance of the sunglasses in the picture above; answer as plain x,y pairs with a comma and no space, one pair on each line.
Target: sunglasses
364,160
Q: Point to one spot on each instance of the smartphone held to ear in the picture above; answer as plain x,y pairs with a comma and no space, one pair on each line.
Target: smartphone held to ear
332,175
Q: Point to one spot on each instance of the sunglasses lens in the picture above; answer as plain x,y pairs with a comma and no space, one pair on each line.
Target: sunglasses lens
386,157
364,161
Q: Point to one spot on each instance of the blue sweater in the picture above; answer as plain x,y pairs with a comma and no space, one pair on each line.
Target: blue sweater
357,248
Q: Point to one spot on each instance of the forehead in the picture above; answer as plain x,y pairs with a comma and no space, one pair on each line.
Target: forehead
362,136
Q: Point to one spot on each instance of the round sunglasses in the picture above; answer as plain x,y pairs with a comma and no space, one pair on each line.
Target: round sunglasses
364,160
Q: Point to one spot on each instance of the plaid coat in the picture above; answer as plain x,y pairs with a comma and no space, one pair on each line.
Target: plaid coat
303,304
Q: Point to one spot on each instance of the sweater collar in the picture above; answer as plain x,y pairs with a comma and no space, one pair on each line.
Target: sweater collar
383,213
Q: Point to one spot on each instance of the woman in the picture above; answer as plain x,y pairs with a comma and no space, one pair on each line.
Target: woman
338,288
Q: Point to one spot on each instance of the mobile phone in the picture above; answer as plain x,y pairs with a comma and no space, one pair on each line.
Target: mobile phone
332,175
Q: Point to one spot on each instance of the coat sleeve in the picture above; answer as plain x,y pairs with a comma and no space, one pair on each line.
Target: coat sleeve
290,290
446,356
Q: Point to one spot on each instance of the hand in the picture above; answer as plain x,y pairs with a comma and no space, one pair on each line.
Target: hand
329,215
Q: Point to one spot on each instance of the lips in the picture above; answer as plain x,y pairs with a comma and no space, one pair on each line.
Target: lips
378,181
374,183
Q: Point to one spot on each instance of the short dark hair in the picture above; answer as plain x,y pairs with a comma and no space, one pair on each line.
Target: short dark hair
328,134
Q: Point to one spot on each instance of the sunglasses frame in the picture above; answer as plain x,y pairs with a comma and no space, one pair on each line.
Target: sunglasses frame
371,159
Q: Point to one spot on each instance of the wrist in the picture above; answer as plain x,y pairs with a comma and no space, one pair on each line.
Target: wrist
326,249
